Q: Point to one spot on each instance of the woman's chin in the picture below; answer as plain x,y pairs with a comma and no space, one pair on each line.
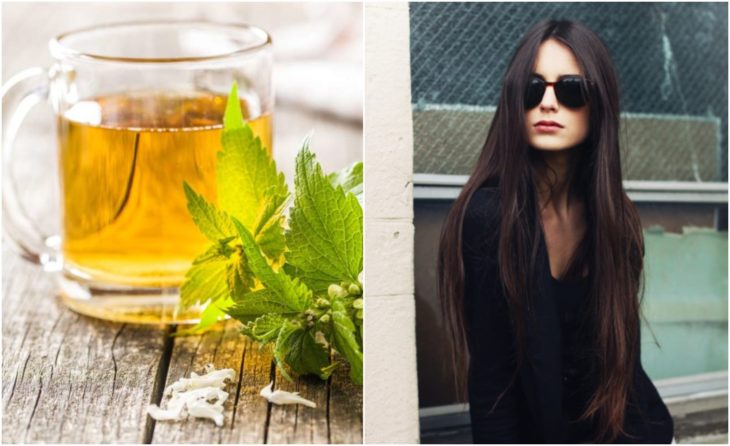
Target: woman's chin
556,147
550,143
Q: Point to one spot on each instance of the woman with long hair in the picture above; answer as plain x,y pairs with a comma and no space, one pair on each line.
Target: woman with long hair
541,259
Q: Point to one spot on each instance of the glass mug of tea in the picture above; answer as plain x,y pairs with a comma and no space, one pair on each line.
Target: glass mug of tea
139,110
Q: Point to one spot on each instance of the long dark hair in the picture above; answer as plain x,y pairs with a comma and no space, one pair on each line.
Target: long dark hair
613,242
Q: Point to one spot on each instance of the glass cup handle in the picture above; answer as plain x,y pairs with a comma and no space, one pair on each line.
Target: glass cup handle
23,91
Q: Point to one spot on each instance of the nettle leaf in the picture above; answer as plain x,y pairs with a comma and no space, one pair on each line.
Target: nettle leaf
305,355
246,176
204,282
206,279
345,339
232,117
214,224
287,329
260,302
297,348
239,277
350,179
264,329
269,229
325,236
252,190
266,278
214,274
279,287
213,313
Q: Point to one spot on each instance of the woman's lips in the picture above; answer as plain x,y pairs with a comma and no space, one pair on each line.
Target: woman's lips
547,127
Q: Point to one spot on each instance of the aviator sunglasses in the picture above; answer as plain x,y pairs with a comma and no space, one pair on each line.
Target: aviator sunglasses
571,91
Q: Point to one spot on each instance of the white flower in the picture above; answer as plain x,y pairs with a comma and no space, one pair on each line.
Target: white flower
202,409
214,378
192,397
284,397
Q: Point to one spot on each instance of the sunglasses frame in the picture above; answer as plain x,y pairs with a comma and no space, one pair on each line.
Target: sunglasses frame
586,83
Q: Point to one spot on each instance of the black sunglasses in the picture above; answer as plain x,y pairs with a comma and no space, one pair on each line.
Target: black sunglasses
571,91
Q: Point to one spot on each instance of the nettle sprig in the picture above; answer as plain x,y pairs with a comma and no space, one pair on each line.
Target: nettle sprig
295,285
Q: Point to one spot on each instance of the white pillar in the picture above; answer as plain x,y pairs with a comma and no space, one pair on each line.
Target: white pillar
391,388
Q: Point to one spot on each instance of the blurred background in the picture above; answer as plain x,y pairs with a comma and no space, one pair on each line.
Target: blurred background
672,63
318,77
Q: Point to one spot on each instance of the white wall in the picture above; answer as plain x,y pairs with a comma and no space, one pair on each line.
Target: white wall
391,388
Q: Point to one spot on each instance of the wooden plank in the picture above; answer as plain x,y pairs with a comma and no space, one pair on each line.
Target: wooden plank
252,410
66,377
296,423
245,411
345,409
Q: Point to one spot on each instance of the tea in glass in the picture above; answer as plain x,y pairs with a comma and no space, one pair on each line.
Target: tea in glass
123,161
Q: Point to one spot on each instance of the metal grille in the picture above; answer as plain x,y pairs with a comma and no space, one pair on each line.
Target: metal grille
671,60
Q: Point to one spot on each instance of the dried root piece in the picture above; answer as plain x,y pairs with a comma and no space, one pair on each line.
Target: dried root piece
199,396
284,397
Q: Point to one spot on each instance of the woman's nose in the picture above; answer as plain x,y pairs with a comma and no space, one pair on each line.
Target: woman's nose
549,101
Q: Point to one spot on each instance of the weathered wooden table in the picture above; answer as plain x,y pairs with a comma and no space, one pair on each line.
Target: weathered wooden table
68,378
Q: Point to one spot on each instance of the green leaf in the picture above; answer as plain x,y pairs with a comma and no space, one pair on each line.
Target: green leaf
211,273
213,223
250,188
350,179
213,313
269,281
239,277
264,329
260,302
305,355
233,118
325,236
287,329
360,339
269,229
327,371
345,340
298,349
246,176
206,279
279,287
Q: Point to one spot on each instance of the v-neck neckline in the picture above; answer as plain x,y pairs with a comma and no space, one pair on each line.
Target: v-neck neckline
543,242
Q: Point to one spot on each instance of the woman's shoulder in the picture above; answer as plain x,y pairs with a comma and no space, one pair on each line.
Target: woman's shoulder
481,216
483,207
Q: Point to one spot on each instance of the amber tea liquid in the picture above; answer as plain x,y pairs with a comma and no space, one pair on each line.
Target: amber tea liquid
123,160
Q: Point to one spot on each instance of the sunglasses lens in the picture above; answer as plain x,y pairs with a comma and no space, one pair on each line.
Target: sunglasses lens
571,92
533,94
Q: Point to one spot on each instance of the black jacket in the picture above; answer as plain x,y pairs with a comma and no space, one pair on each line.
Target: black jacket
530,411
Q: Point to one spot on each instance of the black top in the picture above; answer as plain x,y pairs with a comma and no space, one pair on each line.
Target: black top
571,298
537,402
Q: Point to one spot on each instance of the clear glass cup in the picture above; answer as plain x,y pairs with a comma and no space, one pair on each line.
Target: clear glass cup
139,109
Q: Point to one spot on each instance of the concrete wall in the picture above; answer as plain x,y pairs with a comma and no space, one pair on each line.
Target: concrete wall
391,392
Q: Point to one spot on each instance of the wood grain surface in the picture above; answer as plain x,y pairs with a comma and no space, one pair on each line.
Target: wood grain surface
69,378
310,425
245,411
66,377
